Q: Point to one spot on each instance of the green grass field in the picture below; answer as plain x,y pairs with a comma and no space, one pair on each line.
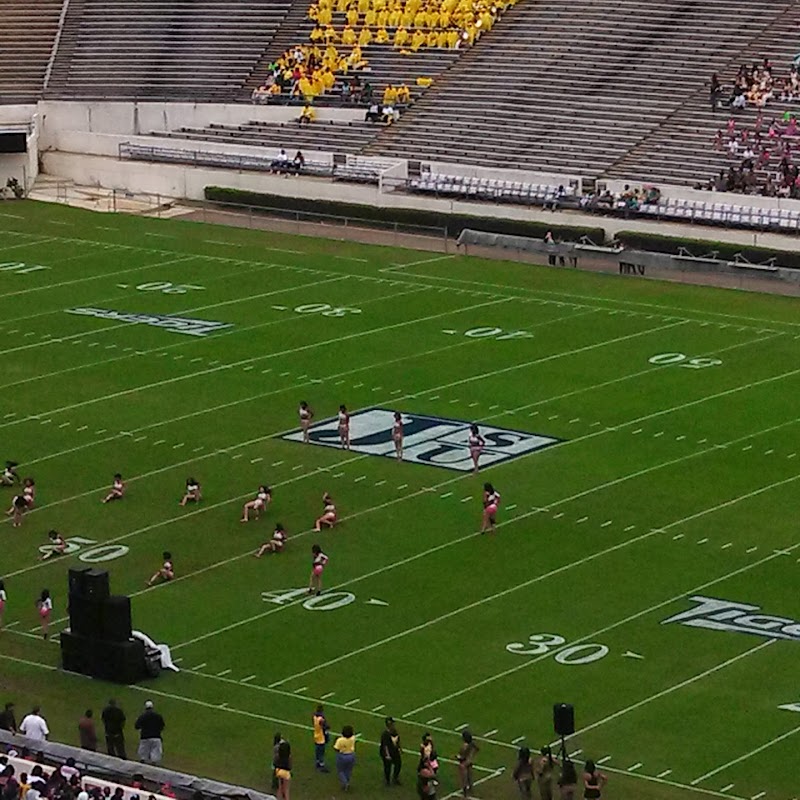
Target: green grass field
672,478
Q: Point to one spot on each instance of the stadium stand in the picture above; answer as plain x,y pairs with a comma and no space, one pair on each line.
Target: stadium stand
568,85
27,33
175,49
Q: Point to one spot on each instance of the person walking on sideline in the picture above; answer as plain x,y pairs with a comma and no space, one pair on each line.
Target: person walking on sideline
34,726
87,731
150,725
345,747
114,723
391,753
321,736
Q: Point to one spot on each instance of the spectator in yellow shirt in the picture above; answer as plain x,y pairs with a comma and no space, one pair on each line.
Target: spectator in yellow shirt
403,94
365,37
419,19
407,19
431,39
417,40
395,18
308,115
400,37
452,38
382,18
382,36
389,95
363,6
348,36
370,18
345,747
317,35
352,16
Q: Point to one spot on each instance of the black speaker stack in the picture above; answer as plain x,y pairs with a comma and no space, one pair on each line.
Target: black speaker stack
98,642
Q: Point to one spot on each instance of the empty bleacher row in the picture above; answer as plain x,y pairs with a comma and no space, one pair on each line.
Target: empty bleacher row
576,84
27,33
333,137
157,49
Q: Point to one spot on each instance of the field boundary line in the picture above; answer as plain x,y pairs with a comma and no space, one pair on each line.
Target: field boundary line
213,706
744,757
699,676
99,276
264,267
655,607
618,303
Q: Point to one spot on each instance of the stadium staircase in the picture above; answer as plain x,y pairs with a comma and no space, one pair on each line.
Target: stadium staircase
573,86
681,150
162,49
27,33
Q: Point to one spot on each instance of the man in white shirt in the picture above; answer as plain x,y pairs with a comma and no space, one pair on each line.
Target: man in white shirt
34,726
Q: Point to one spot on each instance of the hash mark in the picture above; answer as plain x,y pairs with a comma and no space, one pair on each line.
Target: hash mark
139,438
677,536
576,419
461,727
277,463
200,666
102,430
160,441
791,455
726,788
338,475
656,435
768,452
45,421
702,441
179,445
256,460
402,486
465,499
582,519
603,759
553,416
490,733
300,690
248,678
636,766
379,708
353,701
665,773
65,424
606,523
629,528
559,515
238,455
702,541
433,721
751,549
360,478
283,374
223,673
434,397
299,466
726,546
758,796
379,483
511,507
518,740
446,494
326,696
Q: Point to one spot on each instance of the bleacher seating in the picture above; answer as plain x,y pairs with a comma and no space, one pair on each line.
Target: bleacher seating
476,188
27,33
162,49
580,85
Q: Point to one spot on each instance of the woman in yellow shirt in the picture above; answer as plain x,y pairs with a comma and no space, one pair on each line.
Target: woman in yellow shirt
345,747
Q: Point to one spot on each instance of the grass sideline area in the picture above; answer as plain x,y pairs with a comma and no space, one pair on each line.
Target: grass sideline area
646,442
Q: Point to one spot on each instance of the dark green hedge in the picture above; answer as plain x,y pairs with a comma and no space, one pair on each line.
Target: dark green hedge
454,223
656,243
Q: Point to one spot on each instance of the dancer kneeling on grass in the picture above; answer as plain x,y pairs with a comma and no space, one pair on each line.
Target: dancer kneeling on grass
275,544
117,489
167,571
57,546
328,517
318,563
192,494
262,500
10,475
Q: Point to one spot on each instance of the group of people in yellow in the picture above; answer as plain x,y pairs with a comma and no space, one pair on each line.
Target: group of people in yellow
310,70
414,24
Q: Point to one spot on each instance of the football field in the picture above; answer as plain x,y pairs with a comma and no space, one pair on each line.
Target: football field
644,437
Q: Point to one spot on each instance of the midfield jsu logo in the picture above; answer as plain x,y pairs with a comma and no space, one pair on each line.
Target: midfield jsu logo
434,441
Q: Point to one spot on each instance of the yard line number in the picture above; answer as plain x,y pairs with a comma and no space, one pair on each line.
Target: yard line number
166,287
540,644
18,268
497,333
682,360
329,601
326,310
93,555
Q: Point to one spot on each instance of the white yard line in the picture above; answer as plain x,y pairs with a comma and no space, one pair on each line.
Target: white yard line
671,689
744,757
255,359
216,707
638,614
530,582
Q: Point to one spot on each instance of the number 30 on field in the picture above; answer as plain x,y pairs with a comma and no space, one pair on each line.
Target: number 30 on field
681,360
540,644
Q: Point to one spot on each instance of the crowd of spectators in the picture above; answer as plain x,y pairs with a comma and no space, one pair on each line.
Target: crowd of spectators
762,157
756,86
